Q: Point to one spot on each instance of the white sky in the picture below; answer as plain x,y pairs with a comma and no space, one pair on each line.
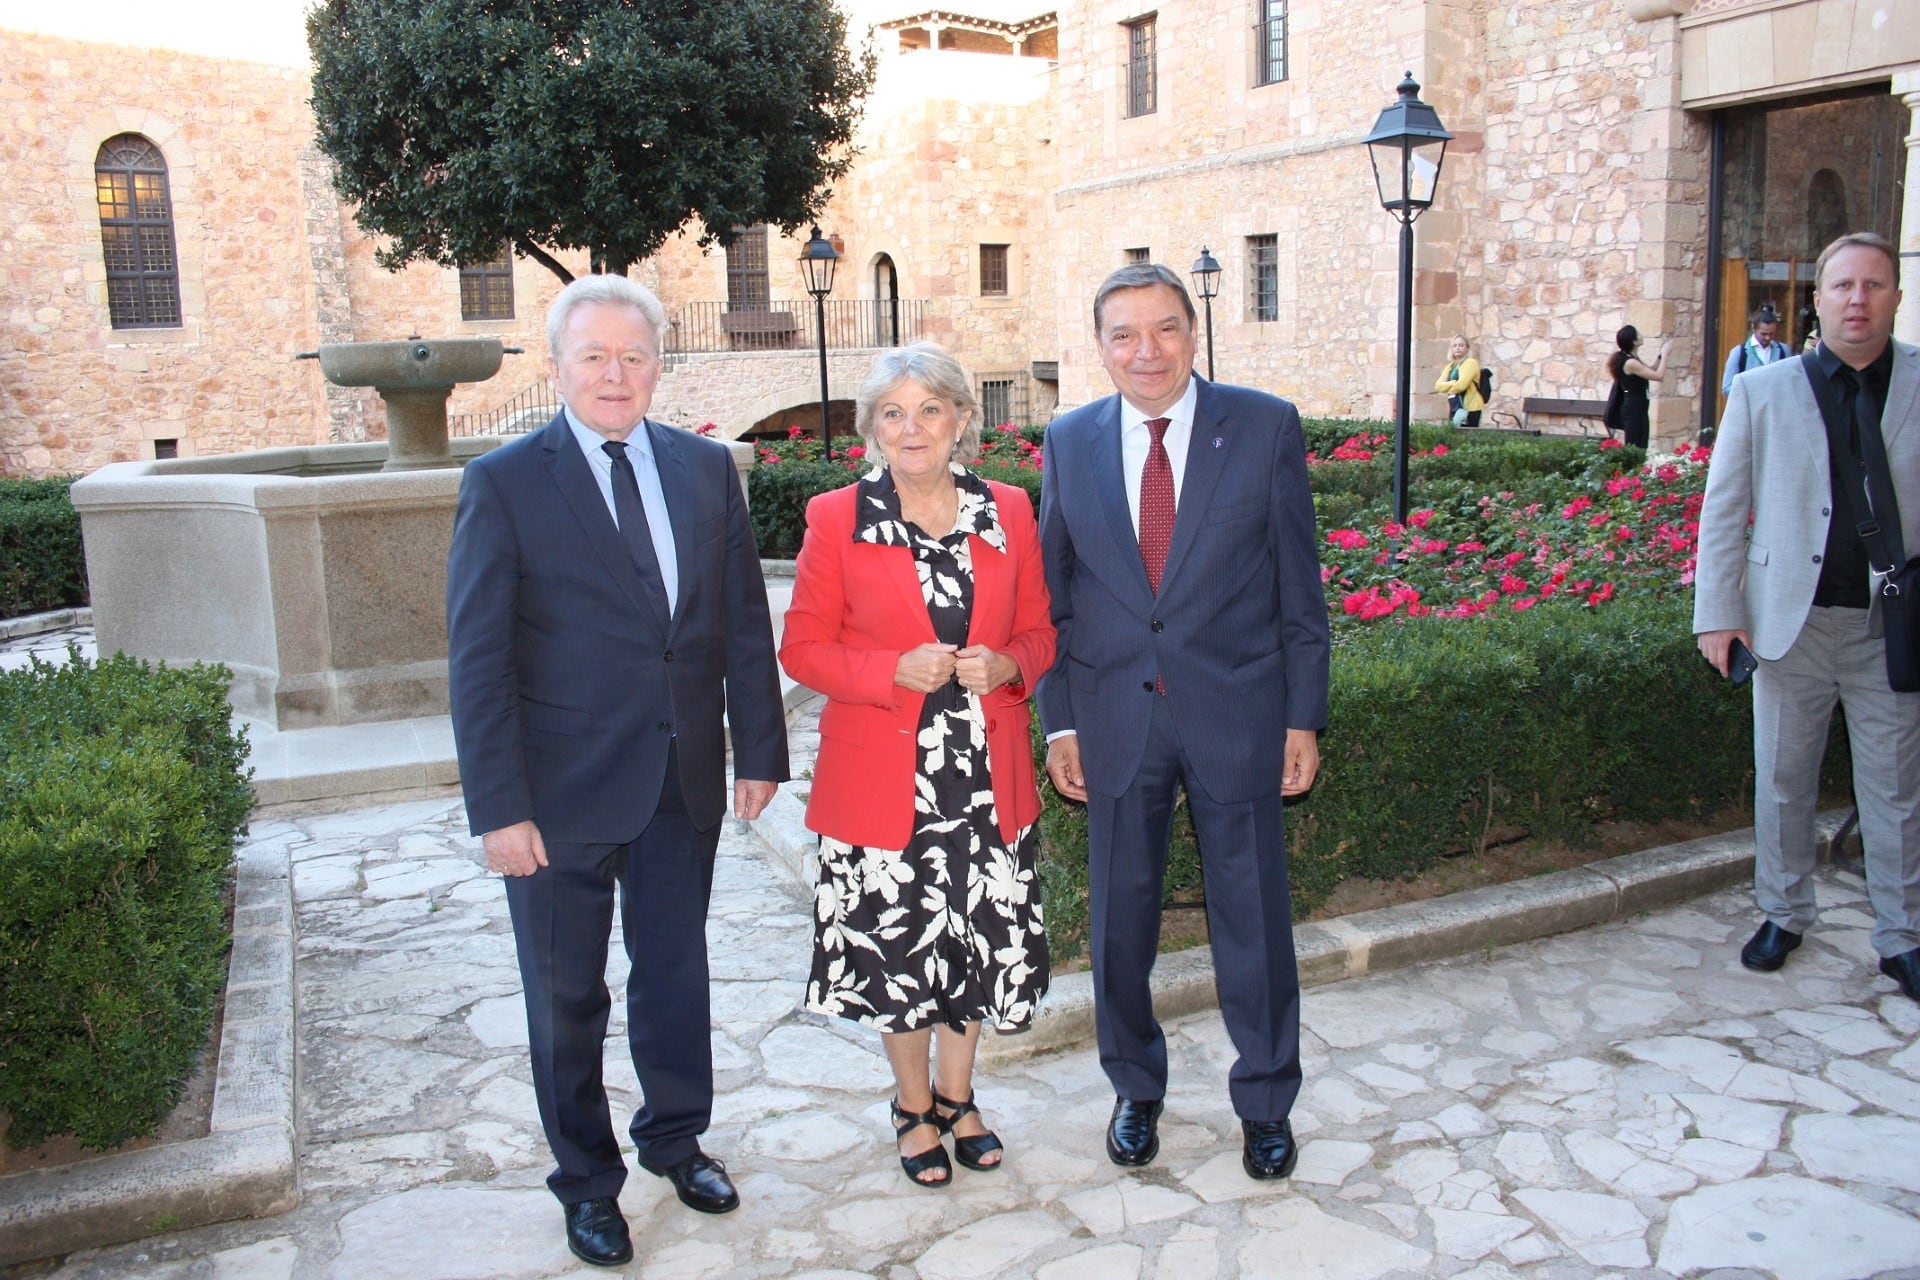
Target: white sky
274,31
271,31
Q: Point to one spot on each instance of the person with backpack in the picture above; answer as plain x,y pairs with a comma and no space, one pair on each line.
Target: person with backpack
1761,347
1463,383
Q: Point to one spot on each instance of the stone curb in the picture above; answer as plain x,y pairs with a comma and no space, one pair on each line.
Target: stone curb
245,1166
34,624
1439,928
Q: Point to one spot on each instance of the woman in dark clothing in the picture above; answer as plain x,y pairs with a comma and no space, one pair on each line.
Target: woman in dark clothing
1633,374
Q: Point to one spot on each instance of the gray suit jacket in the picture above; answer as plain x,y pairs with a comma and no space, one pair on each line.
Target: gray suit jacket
1770,459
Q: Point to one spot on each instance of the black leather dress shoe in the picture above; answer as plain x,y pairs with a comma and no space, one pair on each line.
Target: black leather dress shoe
1133,1136
701,1182
1905,970
1269,1150
1767,949
597,1233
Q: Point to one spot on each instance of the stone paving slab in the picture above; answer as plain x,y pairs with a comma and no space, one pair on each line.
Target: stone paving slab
1621,1101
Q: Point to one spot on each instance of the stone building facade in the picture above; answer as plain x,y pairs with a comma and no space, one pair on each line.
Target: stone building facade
1654,162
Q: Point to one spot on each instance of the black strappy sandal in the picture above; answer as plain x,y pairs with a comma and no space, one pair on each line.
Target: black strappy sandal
906,1121
970,1152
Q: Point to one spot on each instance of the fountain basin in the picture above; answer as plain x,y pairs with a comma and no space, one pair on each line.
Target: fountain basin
317,578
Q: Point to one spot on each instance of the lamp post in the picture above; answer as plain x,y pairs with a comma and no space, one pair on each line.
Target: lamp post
816,264
1206,280
1407,146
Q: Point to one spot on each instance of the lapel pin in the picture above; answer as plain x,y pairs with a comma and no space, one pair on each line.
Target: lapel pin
1217,442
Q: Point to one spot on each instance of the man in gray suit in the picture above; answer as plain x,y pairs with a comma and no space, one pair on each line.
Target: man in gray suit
1798,594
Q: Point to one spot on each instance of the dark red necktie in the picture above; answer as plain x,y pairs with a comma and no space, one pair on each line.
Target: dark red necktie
1156,504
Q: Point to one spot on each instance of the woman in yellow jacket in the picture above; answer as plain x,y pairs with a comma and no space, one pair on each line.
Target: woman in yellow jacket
1461,384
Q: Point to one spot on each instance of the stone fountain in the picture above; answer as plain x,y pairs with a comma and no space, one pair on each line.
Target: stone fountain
317,575
414,378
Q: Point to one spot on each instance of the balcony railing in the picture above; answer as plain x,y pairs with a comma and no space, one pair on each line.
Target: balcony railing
704,328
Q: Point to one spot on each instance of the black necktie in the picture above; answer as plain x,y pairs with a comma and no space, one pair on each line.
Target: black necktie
632,515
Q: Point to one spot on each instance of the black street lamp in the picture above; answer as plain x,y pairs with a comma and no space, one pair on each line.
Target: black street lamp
1407,146
816,264
1206,281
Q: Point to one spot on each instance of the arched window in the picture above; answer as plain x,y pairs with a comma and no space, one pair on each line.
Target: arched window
136,234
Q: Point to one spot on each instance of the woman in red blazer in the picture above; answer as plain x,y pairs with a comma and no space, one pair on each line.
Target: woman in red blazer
920,611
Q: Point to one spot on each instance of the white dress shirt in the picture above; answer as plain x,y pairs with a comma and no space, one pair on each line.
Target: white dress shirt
1135,440
653,498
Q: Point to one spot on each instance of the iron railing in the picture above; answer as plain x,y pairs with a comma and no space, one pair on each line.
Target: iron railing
531,408
704,328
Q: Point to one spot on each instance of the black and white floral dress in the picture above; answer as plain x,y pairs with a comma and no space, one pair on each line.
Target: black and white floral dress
947,930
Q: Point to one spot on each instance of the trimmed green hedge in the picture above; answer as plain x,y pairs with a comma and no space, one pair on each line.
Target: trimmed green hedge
778,493
1440,730
122,790
42,565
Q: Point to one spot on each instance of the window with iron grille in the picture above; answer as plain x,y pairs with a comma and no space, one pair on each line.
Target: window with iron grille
1270,40
1003,399
1140,67
1263,277
993,271
486,288
747,288
1138,257
136,234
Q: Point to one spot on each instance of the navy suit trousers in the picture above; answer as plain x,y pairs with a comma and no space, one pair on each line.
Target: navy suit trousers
1243,857
562,916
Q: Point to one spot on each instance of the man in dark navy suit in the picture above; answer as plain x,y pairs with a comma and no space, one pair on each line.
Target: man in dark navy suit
1178,535
605,615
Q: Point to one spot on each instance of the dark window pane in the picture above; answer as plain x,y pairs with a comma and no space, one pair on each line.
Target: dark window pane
486,288
1263,279
1140,67
993,271
136,233
747,285
1270,41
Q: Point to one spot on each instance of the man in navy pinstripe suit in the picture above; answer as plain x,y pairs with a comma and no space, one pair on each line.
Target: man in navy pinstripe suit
1194,658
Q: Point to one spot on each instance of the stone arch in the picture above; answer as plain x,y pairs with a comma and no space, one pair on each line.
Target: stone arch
1826,210
800,403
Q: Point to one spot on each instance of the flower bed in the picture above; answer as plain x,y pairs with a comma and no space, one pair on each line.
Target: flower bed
1518,656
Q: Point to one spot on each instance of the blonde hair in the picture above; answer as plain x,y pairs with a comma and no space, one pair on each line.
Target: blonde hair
928,364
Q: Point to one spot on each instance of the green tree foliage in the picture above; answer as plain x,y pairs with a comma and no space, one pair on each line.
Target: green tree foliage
457,126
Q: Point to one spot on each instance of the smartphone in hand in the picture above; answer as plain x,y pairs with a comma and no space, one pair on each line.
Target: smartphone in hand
1741,664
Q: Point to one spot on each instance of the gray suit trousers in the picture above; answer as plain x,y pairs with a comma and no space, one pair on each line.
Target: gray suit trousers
1835,660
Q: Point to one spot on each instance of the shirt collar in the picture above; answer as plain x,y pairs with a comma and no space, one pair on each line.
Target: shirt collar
638,443
1179,414
1880,370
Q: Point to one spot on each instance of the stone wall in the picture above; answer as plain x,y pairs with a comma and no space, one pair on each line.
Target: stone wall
270,265
76,393
1569,203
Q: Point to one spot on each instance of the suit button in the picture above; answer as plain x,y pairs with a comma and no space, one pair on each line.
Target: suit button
1147,685
666,726
992,725
1158,625
669,655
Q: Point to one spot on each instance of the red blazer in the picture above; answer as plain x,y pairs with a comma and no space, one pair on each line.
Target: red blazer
856,608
